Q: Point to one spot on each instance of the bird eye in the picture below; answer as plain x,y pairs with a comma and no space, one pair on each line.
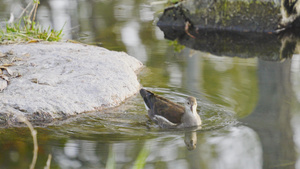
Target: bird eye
188,102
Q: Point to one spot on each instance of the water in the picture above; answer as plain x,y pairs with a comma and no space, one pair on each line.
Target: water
249,107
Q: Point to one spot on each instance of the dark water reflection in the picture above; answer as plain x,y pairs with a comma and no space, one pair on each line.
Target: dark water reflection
250,107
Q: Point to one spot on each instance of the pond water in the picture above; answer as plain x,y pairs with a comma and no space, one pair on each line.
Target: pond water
249,106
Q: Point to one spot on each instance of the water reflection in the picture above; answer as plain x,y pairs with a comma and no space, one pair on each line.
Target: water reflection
271,119
272,47
263,95
190,140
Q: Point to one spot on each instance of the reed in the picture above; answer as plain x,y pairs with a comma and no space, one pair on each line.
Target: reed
35,144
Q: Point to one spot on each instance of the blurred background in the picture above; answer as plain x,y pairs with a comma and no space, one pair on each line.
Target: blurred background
249,106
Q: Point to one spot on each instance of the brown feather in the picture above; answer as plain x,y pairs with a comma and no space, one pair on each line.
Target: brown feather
160,106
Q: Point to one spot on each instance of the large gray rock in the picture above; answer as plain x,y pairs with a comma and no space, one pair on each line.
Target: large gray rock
58,80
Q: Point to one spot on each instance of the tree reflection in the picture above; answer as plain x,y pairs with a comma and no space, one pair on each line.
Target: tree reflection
197,75
271,118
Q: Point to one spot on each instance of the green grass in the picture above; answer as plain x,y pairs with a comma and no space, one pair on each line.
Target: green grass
141,158
177,46
25,29
174,1
139,163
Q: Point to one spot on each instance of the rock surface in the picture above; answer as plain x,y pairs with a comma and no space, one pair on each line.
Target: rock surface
237,28
260,16
57,80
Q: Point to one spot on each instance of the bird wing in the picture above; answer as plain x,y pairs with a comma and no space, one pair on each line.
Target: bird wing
163,107
163,122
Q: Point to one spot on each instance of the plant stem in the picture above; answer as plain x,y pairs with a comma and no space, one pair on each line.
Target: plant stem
34,137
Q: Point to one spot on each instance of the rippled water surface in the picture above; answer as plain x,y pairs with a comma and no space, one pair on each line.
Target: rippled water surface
249,107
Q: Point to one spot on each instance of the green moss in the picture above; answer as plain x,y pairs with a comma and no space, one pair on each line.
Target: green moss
238,15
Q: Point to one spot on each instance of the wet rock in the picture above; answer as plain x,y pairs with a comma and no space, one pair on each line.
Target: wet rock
265,29
260,16
57,80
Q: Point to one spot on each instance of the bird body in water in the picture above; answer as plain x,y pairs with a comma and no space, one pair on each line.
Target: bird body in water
168,114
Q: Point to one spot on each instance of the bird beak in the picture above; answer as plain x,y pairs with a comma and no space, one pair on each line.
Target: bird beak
192,108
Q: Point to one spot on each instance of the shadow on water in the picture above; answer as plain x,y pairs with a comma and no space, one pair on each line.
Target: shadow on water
269,47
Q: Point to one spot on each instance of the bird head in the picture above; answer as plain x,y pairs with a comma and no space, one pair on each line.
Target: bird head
190,104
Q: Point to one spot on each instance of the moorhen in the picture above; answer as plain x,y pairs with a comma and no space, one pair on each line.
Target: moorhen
168,114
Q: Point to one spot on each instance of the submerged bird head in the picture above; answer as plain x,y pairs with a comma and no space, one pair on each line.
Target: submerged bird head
190,104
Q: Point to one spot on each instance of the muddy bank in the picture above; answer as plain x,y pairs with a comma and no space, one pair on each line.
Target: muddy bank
58,80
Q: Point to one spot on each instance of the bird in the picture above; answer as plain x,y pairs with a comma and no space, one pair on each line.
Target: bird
168,114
